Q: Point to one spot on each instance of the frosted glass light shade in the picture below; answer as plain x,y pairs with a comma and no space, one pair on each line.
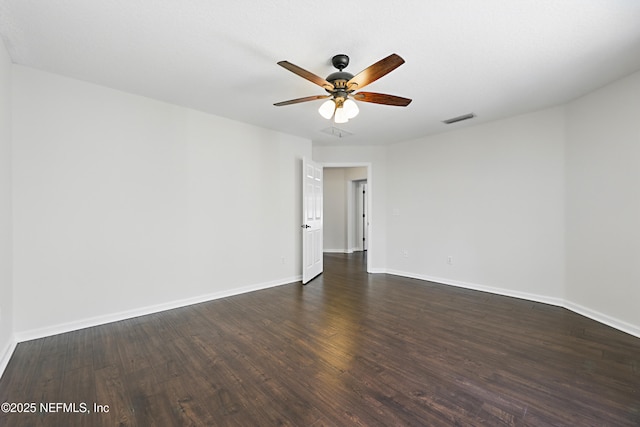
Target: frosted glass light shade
341,116
327,108
350,108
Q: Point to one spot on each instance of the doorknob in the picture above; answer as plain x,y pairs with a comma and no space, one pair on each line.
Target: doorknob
306,226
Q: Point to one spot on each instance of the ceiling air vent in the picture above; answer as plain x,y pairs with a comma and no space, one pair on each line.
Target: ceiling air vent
338,133
459,118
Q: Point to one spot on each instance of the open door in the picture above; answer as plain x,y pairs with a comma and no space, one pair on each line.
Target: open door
312,220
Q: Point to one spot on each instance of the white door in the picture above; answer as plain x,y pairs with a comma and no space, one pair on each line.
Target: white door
312,220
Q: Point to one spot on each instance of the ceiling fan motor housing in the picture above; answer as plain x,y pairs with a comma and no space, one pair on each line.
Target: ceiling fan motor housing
335,78
340,78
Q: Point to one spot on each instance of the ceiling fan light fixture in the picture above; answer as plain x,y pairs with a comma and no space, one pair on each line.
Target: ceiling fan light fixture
350,108
341,115
327,108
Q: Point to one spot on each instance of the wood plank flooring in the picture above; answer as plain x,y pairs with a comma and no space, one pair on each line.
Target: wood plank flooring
348,349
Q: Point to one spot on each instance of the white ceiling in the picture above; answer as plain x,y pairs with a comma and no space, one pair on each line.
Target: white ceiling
496,58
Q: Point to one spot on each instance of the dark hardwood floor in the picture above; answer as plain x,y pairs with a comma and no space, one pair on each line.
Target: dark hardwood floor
348,349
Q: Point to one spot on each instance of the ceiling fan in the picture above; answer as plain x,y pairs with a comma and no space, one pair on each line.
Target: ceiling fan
341,86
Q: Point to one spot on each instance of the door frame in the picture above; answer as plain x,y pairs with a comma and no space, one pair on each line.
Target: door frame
370,214
359,218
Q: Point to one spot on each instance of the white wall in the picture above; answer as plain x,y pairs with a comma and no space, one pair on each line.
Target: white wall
603,203
245,203
6,262
335,210
489,196
125,204
375,157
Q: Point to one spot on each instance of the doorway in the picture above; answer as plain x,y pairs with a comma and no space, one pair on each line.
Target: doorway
347,198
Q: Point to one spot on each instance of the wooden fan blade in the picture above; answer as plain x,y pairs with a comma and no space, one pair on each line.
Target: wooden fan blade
381,98
375,71
306,74
298,100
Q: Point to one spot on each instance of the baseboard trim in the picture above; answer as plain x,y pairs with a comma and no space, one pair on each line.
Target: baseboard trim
476,287
337,251
7,353
559,302
603,318
61,328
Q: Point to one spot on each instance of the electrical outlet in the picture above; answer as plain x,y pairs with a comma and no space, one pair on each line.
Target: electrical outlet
450,260
282,260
